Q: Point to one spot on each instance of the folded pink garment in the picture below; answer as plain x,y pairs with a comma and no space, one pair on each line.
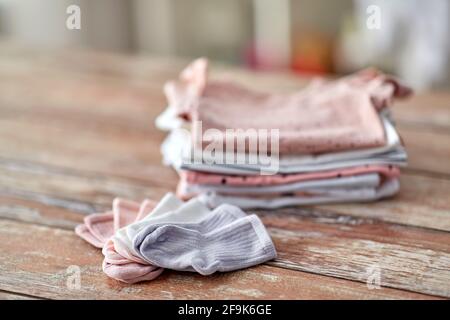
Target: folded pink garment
131,272
98,228
324,117
196,177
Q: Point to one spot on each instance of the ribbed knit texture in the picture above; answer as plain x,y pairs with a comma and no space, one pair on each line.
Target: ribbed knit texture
207,247
222,215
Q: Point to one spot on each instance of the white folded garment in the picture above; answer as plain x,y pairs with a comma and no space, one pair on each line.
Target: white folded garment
168,120
386,189
370,180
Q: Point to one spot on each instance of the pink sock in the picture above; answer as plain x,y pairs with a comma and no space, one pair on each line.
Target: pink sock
100,225
131,272
111,255
82,231
120,268
125,212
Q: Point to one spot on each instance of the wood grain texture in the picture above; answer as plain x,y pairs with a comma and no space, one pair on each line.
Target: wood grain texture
76,130
408,258
45,266
75,190
84,192
61,214
428,111
423,201
368,241
5,295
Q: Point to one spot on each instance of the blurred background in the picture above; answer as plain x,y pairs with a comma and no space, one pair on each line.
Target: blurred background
409,38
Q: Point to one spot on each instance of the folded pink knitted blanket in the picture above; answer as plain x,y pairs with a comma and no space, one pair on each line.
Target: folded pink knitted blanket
324,117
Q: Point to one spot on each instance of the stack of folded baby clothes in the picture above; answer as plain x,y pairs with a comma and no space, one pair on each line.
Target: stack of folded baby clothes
333,141
140,240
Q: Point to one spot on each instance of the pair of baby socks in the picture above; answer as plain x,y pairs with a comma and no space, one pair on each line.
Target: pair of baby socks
139,240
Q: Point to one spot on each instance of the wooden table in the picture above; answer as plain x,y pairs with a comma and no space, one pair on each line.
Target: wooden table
76,130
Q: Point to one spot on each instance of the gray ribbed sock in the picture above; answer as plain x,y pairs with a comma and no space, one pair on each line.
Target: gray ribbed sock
222,215
236,245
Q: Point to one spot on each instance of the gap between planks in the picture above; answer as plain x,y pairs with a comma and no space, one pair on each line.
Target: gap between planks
345,248
82,192
42,273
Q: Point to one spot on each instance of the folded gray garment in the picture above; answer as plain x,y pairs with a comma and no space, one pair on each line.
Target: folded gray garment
369,180
386,189
397,158
176,152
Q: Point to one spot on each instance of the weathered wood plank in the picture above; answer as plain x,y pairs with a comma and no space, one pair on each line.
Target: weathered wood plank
78,191
4,295
56,107
42,271
75,191
428,110
14,57
427,151
422,201
414,259
378,240
130,105
82,95
114,151
44,124
37,212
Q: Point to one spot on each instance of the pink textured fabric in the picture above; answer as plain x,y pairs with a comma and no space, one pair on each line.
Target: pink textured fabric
112,256
120,268
196,177
327,116
125,212
98,228
83,232
100,225
132,272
